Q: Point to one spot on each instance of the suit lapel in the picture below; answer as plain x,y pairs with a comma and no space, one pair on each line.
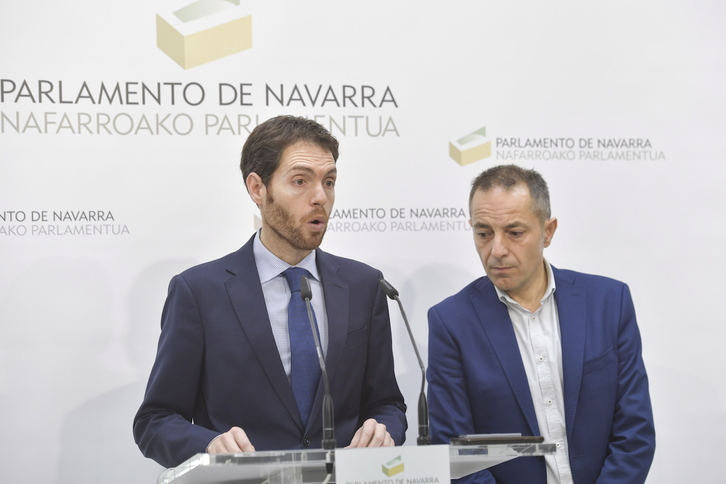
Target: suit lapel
497,325
245,292
572,313
337,306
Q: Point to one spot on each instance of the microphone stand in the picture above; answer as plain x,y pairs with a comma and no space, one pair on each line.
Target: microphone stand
423,406
328,418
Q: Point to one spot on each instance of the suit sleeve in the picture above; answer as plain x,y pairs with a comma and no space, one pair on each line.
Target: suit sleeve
449,406
162,426
381,396
632,443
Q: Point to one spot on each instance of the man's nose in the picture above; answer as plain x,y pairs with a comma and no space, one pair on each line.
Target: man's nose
499,246
319,195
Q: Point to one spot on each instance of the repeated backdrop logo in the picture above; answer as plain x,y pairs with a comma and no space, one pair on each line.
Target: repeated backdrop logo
471,147
475,146
203,31
199,32
193,34
66,223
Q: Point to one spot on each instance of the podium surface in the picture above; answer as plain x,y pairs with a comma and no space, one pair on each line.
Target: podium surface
308,466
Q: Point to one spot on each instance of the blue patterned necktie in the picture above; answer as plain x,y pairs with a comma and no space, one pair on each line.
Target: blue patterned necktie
305,367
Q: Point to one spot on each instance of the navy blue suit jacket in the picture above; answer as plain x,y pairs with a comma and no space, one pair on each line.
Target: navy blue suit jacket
217,364
477,381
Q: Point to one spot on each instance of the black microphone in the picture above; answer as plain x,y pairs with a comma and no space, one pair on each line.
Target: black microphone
423,405
328,420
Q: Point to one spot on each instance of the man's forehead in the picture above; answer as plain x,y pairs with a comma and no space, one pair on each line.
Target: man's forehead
306,156
502,211
517,190
306,146
501,198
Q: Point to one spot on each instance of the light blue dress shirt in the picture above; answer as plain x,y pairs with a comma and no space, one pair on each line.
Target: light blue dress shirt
277,297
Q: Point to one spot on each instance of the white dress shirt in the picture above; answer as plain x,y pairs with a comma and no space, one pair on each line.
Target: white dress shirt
538,337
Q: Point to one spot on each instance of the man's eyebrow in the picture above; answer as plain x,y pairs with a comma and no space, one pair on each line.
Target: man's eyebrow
307,169
515,225
511,225
481,225
299,168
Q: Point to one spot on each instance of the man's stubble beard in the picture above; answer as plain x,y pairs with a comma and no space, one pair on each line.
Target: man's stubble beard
282,224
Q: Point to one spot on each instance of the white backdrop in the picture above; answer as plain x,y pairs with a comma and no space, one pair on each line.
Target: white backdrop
100,206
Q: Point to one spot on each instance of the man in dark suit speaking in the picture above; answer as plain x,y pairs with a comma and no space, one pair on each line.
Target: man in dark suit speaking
230,375
536,350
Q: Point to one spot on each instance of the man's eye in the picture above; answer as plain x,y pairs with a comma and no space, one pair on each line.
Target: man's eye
299,181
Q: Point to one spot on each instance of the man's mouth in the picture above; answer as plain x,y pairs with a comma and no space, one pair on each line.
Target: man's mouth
501,268
318,220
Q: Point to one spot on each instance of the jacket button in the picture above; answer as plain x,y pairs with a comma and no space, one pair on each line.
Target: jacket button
306,441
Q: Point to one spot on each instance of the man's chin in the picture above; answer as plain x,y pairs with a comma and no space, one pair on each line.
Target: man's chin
503,287
313,241
502,283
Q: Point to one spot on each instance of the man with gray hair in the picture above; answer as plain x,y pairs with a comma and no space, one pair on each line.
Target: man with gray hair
535,350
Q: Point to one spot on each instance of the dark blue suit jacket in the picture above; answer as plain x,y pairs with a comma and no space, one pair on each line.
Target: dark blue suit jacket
218,366
477,382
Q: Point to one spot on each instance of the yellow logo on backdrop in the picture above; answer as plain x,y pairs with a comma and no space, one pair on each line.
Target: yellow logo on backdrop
393,467
203,31
470,148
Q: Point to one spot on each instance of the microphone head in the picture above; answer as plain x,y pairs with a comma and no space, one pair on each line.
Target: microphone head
390,291
305,292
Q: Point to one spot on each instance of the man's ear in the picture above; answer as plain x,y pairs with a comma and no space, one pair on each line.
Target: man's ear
549,231
256,188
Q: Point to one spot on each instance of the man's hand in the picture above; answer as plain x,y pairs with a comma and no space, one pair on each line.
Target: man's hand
233,441
371,434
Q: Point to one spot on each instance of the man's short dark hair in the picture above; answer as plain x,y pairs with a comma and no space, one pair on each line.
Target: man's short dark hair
511,176
264,146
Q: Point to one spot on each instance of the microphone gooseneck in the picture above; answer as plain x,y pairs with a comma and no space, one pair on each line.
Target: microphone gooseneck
423,407
328,416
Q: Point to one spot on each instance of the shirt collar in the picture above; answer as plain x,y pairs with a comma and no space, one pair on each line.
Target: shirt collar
270,266
504,297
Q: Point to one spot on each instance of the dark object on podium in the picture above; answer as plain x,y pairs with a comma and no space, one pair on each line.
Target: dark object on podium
491,439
